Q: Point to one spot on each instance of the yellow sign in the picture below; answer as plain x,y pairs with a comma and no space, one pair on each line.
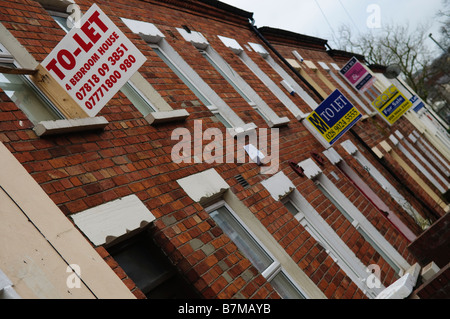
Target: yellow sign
392,104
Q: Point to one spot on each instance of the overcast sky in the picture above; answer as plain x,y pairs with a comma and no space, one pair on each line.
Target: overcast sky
322,17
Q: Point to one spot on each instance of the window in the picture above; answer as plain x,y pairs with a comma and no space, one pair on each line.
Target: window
145,263
298,89
137,98
333,244
23,92
259,256
348,210
60,18
384,183
192,87
357,225
240,86
442,184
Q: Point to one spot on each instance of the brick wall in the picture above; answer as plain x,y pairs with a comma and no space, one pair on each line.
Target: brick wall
83,170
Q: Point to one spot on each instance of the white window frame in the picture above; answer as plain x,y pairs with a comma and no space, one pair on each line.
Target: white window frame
218,105
275,268
243,88
274,88
358,220
48,127
7,58
383,182
430,153
195,88
334,246
299,115
396,140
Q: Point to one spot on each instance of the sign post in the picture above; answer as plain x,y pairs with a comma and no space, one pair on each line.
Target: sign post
333,117
93,62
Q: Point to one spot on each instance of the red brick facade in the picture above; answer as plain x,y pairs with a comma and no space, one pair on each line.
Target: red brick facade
83,170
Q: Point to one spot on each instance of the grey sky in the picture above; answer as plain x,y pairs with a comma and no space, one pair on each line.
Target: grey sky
322,17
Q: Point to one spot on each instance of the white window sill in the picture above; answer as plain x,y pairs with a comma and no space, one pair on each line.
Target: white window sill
166,116
45,128
246,129
281,121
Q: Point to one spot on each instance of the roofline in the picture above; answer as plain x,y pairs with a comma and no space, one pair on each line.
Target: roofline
296,37
345,54
229,8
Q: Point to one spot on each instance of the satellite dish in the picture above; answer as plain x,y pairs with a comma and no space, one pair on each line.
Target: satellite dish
392,71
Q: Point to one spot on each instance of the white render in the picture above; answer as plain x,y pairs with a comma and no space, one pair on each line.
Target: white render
279,185
104,223
204,185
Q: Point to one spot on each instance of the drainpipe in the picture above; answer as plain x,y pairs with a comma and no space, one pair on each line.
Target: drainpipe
428,210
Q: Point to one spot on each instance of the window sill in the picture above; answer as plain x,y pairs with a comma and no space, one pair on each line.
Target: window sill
45,128
167,116
279,122
244,130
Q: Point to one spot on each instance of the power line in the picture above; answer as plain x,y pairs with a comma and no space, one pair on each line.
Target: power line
348,14
323,13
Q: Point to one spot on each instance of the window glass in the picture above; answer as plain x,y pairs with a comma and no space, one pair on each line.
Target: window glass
360,229
270,268
222,119
242,238
291,208
23,93
226,77
62,21
285,287
136,99
191,86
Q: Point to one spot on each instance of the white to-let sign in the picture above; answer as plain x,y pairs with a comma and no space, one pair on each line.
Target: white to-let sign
93,62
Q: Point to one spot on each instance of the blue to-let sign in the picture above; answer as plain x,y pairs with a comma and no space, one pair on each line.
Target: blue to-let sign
334,116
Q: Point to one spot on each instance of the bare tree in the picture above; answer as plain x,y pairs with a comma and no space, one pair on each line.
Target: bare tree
394,44
444,16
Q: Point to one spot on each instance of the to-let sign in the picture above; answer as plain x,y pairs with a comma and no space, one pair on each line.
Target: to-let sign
93,62
357,75
392,104
334,116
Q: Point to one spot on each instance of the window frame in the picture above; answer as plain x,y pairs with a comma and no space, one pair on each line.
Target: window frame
362,225
217,104
275,267
383,182
242,87
335,247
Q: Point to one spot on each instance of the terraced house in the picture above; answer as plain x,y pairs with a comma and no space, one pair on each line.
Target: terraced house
204,174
